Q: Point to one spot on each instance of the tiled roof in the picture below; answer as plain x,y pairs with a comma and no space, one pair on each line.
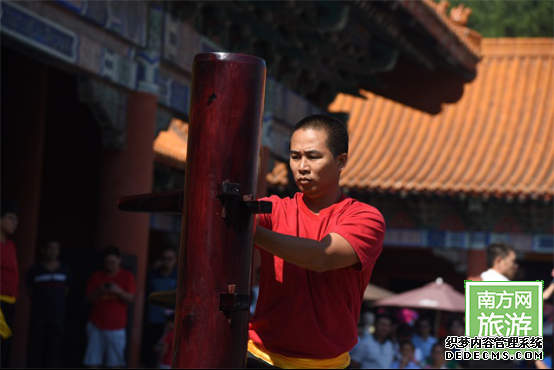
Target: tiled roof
496,141
170,146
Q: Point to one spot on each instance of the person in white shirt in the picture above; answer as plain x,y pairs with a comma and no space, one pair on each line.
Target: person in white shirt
501,259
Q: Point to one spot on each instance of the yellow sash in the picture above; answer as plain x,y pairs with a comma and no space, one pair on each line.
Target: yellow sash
5,331
284,362
7,299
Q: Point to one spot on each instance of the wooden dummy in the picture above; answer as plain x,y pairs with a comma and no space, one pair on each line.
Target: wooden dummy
218,206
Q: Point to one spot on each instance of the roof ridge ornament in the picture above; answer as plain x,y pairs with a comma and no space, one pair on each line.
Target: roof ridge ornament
460,14
442,6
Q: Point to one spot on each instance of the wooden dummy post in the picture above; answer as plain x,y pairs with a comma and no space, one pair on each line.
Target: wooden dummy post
218,206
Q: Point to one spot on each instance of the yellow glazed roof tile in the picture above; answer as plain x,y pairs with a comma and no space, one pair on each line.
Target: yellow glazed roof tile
496,141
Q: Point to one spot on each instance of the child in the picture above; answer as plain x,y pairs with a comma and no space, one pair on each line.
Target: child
406,360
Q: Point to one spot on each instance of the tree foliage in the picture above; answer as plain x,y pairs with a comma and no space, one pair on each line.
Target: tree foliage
510,18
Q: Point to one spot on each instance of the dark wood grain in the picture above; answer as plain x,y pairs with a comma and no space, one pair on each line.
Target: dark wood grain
216,251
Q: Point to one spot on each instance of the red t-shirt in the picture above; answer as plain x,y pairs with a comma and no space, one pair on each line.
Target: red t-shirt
305,314
108,311
9,271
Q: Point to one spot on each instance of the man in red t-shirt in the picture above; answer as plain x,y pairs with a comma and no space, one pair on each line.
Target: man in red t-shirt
110,291
9,278
317,250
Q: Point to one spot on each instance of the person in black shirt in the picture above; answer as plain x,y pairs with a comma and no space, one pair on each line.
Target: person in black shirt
48,283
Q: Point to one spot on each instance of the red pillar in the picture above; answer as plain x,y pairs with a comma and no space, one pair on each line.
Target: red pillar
476,263
22,181
125,173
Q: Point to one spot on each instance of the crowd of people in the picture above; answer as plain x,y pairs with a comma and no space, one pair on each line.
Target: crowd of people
109,292
389,341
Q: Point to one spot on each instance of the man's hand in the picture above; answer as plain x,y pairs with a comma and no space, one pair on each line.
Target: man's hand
331,253
92,296
120,292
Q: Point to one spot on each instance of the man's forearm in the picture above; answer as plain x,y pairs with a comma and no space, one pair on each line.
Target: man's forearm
314,255
302,252
90,297
126,297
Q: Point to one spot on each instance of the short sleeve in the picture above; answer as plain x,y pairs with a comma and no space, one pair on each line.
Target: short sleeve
131,284
265,219
363,227
92,283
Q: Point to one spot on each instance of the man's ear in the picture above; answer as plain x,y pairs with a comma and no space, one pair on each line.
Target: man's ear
497,260
342,159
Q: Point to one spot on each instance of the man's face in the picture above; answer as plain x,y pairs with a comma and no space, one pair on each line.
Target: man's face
315,169
111,263
9,223
52,251
168,260
424,328
507,266
383,327
457,329
437,354
407,350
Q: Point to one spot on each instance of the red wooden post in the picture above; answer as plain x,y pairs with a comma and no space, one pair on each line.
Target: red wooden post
217,236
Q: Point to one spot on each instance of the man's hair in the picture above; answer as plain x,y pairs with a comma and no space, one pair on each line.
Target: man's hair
498,249
384,316
438,344
404,342
452,321
337,134
421,320
8,206
112,251
45,241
